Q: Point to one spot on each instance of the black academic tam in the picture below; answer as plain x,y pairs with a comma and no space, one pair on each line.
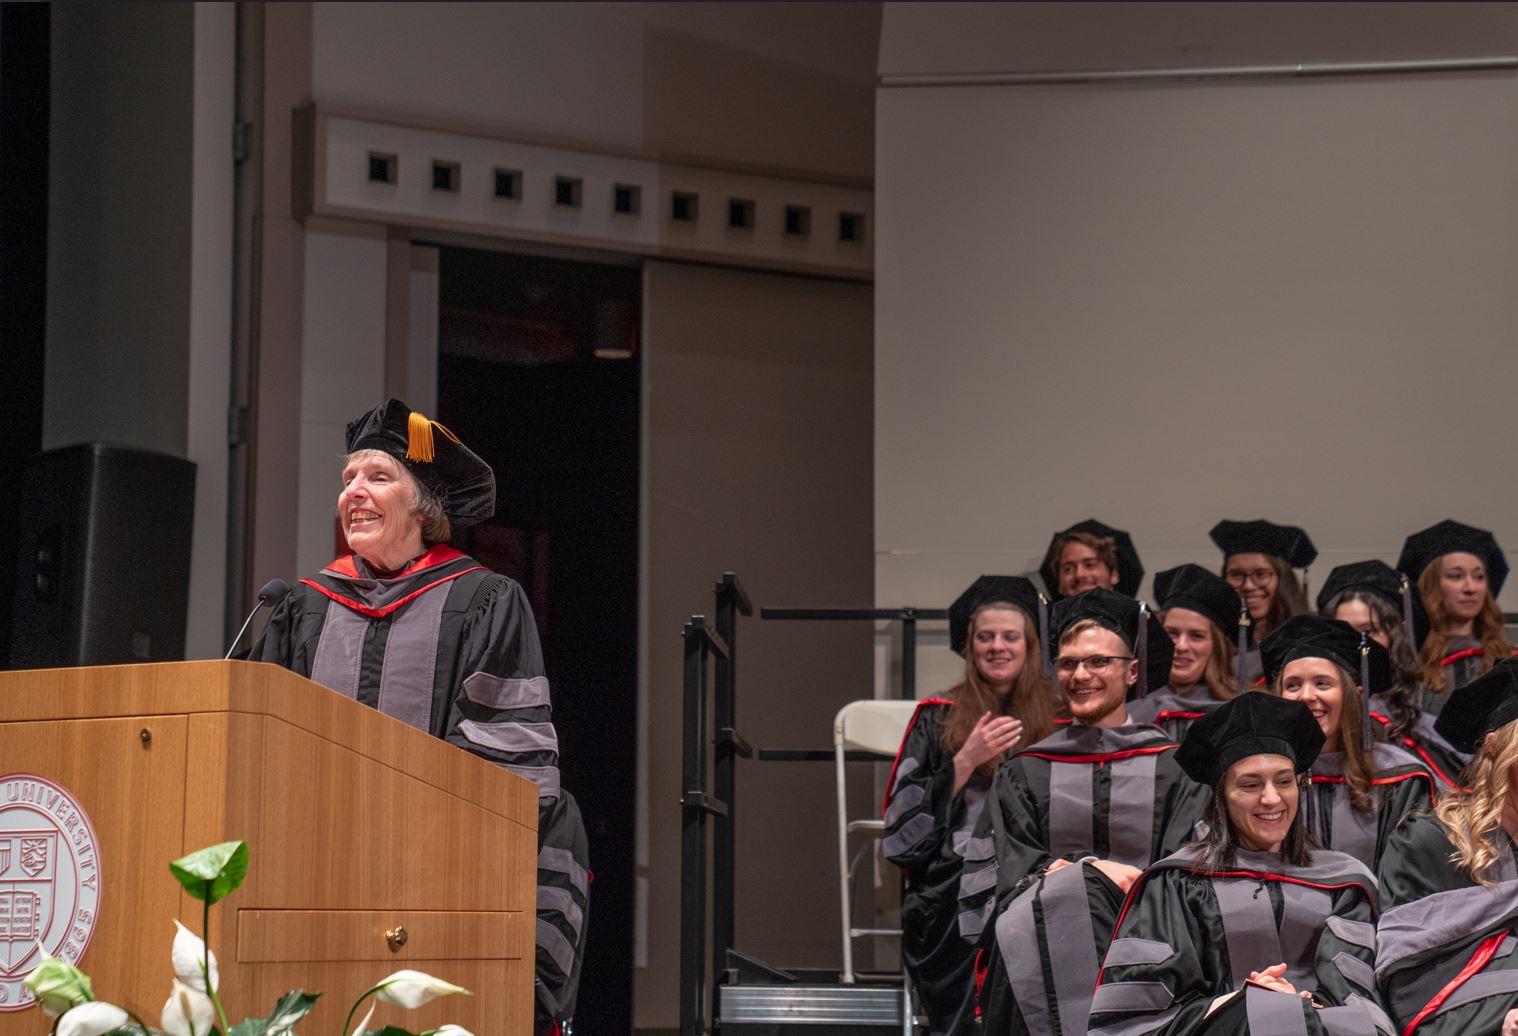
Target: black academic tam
1254,723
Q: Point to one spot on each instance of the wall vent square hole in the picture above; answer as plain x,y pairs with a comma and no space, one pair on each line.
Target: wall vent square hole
851,226
566,191
798,220
382,167
740,213
683,206
626,198
508,183
445,175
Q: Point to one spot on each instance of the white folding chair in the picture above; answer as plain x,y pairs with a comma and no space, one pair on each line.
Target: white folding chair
871,726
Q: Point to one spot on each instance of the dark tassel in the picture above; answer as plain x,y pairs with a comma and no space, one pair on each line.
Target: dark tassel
1238,662
1365,739
1141,651
1043,636
1407,611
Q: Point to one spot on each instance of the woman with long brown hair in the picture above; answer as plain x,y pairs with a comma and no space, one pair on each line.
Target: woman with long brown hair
1201,614
1260,560
938,785
1449,880
1360,789
1460,571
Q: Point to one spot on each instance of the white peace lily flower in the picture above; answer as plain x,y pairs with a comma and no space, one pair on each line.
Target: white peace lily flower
359,1030
57,985
449,1030
189,950
95,1018
187,1012
407,988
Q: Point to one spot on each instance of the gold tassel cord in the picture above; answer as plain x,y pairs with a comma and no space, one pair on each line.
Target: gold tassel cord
419,445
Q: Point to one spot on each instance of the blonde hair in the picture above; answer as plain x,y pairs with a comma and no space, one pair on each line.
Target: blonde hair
1472,815
1031,699
1487,628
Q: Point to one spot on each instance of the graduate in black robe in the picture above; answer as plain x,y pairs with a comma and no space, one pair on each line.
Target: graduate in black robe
1072,820
1250,930
426,634
1360,789
939,781
1087,555
1450,885
1259,561
1207,624
1377,600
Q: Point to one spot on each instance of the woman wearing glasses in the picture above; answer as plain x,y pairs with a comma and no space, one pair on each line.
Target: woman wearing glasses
1360,789
1460,570
938,785
1200,613
1259,562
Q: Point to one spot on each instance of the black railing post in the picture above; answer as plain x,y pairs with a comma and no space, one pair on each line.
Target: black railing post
693,979
731,601
908,653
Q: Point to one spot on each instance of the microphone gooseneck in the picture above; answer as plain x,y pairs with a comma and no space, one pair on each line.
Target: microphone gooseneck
271,591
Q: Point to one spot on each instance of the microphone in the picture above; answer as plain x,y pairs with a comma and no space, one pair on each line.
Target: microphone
272,591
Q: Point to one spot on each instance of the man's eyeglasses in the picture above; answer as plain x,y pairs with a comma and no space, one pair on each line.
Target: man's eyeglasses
1096,665
1259,577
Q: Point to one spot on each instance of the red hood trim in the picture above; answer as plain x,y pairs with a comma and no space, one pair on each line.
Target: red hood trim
891,780
1384,780
440,554
1479,960
1458,655
380,613
1180,714
1101,757
1414,747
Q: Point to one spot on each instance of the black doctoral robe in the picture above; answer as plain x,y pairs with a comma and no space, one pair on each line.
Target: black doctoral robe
1189,935
927,826
1400,784
1174,711
1446,963
1113,794
1443,759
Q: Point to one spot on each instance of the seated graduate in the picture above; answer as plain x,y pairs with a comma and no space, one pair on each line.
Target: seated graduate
1449,885
1360,788
1200,612
1250,929
1072,819
1378,601
1087,555
1460,571
939,782
1259,561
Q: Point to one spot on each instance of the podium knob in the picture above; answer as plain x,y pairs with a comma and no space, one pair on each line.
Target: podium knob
396,937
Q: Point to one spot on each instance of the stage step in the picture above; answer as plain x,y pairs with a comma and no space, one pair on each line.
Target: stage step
837,1010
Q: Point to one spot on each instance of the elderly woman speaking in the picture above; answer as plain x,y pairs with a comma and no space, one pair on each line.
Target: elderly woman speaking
429,636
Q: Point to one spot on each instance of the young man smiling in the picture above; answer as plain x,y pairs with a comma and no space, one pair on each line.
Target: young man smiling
1070,822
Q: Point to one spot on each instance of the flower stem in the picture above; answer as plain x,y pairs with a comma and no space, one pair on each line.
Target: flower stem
205,961
354,1009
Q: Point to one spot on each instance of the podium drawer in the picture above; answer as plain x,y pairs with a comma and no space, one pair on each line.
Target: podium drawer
280,936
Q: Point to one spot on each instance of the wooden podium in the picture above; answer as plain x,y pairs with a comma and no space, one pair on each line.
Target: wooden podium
358,826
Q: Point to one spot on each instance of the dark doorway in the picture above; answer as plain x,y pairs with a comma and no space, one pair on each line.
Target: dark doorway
538,372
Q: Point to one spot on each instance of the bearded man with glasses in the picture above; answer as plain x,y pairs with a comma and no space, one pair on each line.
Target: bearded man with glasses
1070,822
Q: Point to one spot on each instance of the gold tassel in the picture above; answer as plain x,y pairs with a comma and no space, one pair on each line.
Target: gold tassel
419,444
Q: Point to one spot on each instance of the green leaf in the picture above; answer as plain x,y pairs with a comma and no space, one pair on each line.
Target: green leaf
389,1030
292,1007
213,873
250,1027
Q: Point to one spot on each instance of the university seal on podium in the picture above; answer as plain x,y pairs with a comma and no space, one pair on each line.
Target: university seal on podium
49,880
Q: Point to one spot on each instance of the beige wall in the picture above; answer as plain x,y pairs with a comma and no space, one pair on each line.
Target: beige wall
1167,304
757,457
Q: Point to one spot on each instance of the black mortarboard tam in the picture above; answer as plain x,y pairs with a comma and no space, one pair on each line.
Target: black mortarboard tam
1313,636
1129,619
1130,572
1379,578
1014,590
1487,703
1251,724
1421,548
1286,542
431,453
1193,587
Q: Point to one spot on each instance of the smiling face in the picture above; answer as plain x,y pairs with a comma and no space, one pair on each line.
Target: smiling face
1097,699
1358,614
1255,579
376,508
1260,792
1080,568
1191,635
999,641
1318,684
1462,581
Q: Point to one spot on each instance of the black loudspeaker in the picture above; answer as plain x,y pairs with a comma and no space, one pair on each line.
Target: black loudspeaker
103,560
